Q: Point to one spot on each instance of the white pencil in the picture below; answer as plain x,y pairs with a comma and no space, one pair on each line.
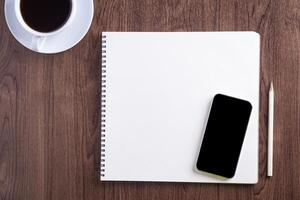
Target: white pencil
270,130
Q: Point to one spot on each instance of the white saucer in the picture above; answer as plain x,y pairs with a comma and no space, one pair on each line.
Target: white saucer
65,39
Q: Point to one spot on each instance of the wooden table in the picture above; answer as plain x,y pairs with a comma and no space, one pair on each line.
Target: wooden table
49,104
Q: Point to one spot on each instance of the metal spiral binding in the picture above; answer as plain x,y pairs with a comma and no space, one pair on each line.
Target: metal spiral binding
103,106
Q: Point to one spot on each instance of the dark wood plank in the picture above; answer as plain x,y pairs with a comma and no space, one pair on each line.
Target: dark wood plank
49,116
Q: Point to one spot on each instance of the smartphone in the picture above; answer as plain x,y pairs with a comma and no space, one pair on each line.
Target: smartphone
224,135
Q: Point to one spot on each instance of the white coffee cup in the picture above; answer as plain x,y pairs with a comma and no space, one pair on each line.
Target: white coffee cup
39,38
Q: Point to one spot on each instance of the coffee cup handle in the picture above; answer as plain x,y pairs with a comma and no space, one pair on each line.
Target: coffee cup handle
37,42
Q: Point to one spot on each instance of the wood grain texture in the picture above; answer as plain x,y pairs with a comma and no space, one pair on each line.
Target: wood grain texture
49,116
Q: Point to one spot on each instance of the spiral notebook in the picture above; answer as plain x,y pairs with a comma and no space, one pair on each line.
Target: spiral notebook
156,94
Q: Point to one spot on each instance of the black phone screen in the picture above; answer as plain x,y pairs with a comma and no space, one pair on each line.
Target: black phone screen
224,136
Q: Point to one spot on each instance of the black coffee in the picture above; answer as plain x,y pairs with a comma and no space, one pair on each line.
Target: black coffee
45,15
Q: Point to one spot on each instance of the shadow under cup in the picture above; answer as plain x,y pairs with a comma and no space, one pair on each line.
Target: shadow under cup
45,15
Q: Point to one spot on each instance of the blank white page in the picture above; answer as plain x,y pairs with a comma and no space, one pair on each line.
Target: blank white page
158,92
